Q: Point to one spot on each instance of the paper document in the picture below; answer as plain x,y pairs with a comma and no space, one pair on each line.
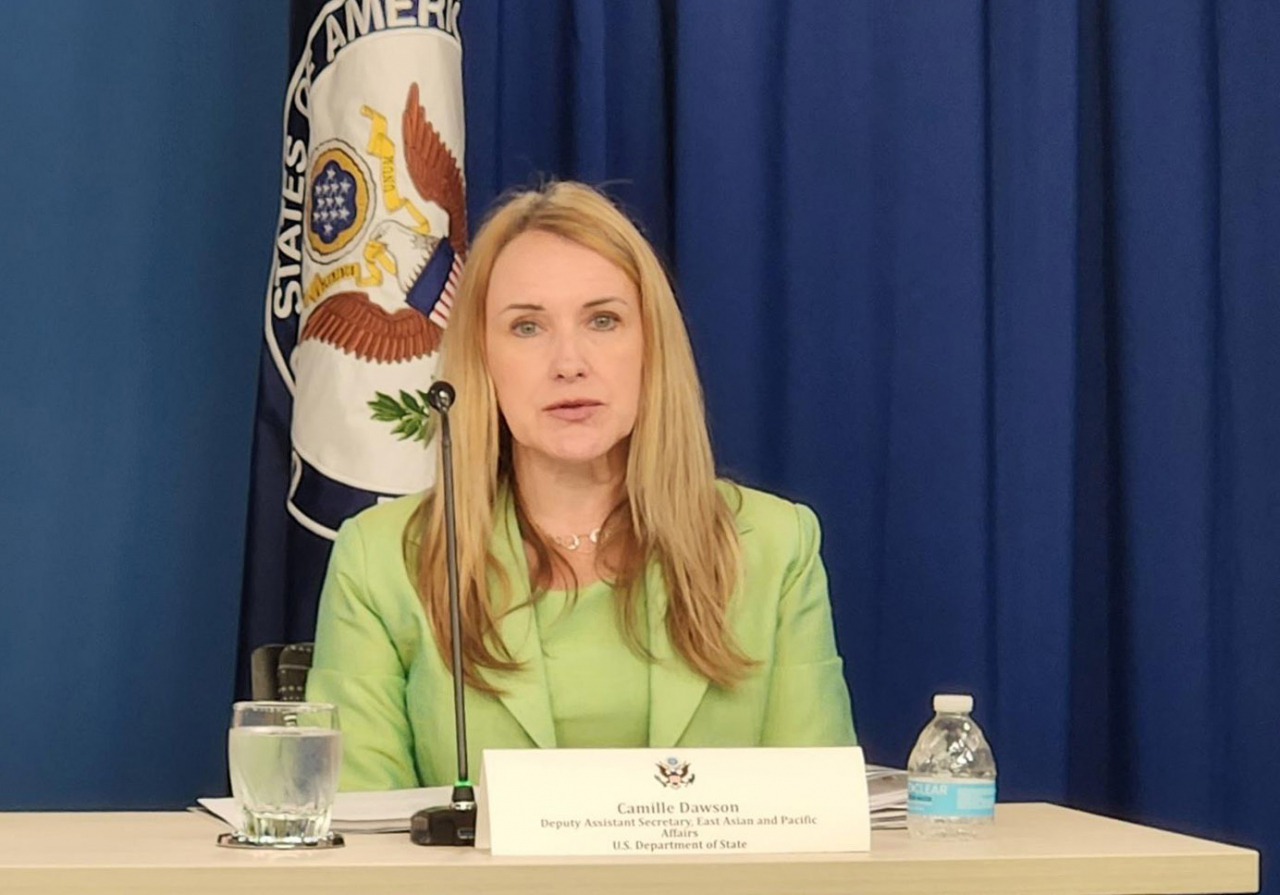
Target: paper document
887,795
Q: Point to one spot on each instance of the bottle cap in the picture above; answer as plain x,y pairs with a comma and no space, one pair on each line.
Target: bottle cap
953,702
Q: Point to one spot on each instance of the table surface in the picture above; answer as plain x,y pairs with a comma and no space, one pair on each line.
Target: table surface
1035,848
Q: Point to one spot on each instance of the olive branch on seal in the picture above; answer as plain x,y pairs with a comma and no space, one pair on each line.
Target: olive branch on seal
412,416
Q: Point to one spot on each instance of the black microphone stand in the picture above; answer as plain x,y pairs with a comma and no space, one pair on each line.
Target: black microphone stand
454,823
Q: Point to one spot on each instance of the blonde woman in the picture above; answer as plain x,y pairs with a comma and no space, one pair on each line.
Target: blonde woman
613,592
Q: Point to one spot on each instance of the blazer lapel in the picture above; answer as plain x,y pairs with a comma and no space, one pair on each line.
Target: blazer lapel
525,693
674,689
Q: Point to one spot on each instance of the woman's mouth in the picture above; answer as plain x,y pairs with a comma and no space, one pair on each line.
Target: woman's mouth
573,411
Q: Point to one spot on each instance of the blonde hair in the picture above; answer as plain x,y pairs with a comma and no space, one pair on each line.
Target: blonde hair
672,512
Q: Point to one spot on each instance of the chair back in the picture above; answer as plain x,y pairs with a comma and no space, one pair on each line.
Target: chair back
278,671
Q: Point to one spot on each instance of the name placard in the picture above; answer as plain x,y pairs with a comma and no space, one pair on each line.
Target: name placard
673,801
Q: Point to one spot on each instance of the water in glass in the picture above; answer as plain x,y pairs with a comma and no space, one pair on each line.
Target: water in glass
284,778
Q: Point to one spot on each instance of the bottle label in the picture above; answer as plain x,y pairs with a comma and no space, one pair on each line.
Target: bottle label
946,797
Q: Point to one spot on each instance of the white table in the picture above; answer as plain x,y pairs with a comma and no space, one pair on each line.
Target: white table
1036,848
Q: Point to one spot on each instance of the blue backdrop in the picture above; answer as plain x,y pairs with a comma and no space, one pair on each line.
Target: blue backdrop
992,286
139,149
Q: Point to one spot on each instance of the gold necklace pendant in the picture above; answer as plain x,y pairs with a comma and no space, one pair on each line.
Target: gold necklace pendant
573,542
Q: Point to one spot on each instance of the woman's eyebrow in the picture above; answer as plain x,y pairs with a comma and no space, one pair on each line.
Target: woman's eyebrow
518,306
594,303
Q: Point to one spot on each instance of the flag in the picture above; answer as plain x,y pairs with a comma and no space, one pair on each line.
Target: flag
368,249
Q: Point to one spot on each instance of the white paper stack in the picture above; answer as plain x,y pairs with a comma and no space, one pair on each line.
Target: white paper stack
887,795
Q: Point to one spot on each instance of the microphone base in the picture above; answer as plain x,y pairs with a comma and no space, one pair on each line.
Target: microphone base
444,825
453,824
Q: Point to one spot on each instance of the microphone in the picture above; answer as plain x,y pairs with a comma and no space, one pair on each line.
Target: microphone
454,823
440,396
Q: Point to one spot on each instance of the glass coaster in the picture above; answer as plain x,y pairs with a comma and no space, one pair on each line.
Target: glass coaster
238,840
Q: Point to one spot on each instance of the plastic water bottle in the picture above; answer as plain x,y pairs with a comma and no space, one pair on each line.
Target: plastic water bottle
951,775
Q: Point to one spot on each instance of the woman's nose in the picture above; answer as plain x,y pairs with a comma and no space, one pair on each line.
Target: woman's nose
568,361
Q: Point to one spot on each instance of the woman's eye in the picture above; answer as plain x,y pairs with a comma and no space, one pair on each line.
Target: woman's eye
604,321
524,328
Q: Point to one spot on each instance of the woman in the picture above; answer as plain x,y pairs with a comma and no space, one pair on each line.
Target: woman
613,592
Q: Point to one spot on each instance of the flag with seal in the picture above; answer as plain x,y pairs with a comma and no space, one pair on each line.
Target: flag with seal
369,246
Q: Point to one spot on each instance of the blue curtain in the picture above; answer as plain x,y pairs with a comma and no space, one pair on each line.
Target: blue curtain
990,285
993,286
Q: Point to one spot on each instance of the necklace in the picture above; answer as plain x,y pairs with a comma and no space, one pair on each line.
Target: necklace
573,542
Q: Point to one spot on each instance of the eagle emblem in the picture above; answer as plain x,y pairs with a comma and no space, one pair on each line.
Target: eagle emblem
423,266
674,773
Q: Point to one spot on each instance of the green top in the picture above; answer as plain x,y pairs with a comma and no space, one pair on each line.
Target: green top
377,660
599,687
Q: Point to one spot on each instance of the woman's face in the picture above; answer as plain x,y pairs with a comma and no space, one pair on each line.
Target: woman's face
564,345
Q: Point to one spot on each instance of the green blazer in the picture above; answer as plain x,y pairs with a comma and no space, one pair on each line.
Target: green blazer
376,658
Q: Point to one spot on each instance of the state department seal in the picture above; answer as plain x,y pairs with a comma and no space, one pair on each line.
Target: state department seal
369,249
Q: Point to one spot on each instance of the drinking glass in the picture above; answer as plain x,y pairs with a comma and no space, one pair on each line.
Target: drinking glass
284,759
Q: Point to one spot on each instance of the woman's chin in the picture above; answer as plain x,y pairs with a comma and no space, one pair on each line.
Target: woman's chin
578,456
576,451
